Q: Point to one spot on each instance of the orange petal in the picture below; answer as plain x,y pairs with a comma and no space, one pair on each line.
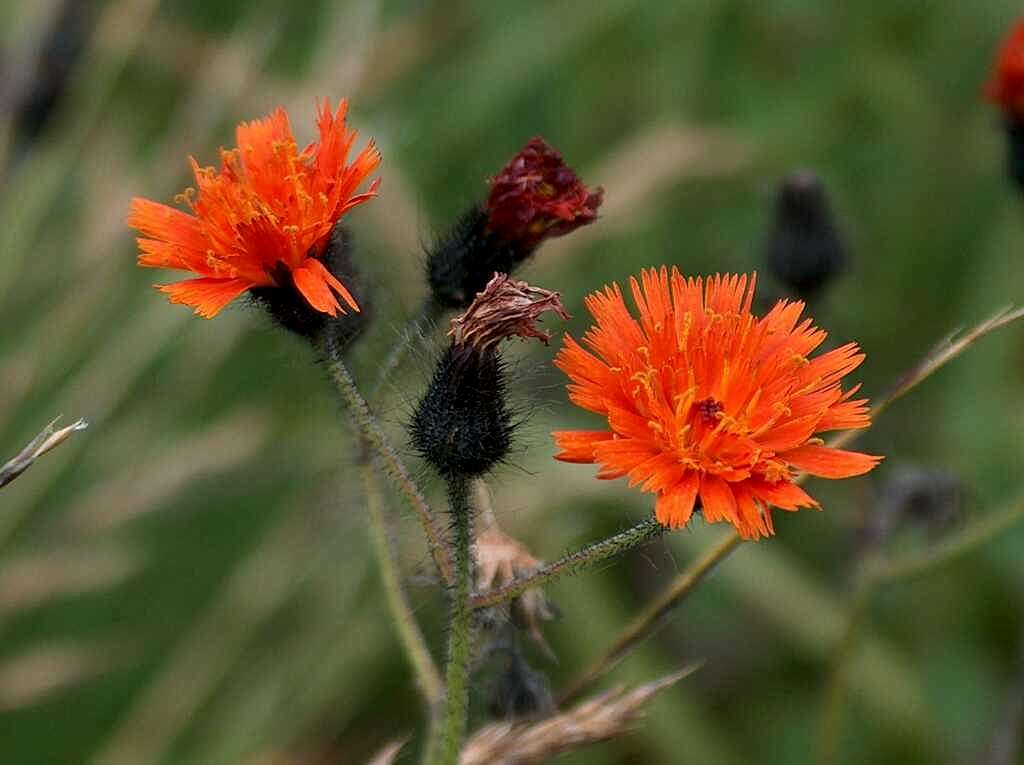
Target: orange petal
784,494
623,454
207,296
755,520
718,500
674,508
319,268
578,445
311,284
789,435
826,462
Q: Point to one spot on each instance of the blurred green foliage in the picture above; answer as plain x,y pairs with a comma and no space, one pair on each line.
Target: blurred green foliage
188,580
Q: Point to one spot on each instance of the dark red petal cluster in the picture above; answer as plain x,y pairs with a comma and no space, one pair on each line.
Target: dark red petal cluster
537,196
1006,86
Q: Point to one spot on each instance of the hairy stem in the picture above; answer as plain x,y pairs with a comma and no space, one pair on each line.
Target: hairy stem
427,677
573,563
447,738
375,438
648,620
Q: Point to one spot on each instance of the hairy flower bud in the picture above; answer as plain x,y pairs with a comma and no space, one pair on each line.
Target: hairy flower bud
804,248
536,196
463,425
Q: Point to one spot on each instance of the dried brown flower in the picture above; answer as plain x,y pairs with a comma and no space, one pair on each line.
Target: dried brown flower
506,307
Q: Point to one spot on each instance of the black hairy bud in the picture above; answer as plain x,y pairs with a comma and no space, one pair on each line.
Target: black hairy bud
804,249
463,426
463,261
290,310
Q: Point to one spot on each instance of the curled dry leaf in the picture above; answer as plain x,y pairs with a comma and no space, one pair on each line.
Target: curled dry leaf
601,718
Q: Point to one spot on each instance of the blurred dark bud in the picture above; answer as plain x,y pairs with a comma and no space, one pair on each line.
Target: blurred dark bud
804,249
932,499
463,425
290,310
521,691
536,196
47,81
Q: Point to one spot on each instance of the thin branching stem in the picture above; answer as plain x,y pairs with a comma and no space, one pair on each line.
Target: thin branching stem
447,738
376,439
573,563
645,623
427,676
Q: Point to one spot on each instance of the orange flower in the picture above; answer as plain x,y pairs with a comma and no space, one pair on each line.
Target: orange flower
263,219
704,399
1006,88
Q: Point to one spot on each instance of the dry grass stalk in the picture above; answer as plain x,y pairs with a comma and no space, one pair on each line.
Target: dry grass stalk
46,440
601,718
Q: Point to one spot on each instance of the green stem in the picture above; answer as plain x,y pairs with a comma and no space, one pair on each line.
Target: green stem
377,440
645,623
447,739
427,676
573,563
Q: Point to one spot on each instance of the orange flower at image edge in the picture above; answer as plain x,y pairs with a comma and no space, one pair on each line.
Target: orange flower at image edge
263,219
704,399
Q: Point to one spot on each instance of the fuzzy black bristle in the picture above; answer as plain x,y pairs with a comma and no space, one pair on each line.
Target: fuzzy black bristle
289,309
463,426
462,263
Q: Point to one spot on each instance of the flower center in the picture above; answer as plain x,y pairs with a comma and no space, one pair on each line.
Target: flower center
708,410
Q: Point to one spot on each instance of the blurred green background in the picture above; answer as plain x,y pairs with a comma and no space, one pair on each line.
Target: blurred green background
188,581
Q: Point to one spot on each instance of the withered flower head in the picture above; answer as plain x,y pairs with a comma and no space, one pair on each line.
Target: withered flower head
537,196
264,219
505,308
463,425
704,399
501,560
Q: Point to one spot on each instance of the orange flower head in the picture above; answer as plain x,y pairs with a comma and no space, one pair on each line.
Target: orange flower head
1006,87
263,219
704,399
